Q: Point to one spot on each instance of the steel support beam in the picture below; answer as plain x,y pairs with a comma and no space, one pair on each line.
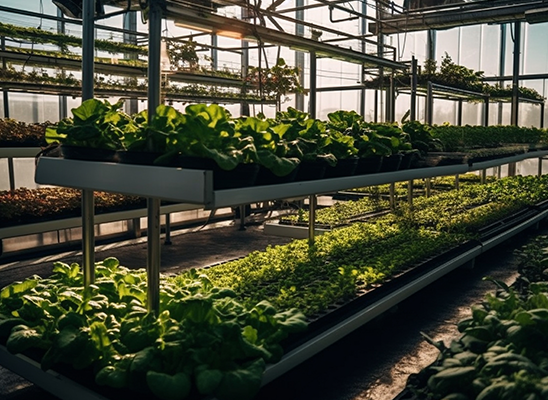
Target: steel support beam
216,23
515,74
88,80
461,14
153,204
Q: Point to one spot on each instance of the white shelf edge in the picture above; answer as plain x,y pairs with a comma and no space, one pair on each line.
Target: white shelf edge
494,241
19,152
230,197
175,184
50,381
507,160
290,231
75,222
196,186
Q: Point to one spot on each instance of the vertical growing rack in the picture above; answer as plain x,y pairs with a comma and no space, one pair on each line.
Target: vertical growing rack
195,187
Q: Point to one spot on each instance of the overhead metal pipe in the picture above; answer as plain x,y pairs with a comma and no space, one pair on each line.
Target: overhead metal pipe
414,79
474,13
214,22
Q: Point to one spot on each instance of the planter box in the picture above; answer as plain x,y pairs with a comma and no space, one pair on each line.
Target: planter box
435,159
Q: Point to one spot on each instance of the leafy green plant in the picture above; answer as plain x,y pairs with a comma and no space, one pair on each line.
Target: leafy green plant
64,41
421,137
391,136
463,138
201,340
272,148
95,124
158,135
276,81
306,138
208,131
501,351
456,76
340,213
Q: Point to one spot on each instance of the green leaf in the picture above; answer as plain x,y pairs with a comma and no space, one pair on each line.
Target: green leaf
280,166
250,334
169,387
89,109
207,380
242,383
99,335
111,376
24,339
18,288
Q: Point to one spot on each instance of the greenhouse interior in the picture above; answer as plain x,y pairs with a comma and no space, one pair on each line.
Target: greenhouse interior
278,199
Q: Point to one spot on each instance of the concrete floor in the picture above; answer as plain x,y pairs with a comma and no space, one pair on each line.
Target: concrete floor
373,362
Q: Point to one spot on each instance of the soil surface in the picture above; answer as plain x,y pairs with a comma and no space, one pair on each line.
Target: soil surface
372,362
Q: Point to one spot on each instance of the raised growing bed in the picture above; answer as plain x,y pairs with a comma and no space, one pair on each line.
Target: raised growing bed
500,352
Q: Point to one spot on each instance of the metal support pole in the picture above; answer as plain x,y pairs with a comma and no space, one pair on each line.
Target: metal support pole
88,237
515,74
299,55
244,63
413,106
242,217
410,193
363,32
457,182
63,108
88,49
88,200
428,187
540,166
486,111
214,51
429,103
542,115
459,113
502,69
11,173
167,239
134,227
130,24
431,39
312,92
390,100
483,177
5,91
382,89
153,204
153,254
512,169
392,196
312,219
376,106
11,168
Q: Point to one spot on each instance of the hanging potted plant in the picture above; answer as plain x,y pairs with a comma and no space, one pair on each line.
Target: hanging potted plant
274,82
